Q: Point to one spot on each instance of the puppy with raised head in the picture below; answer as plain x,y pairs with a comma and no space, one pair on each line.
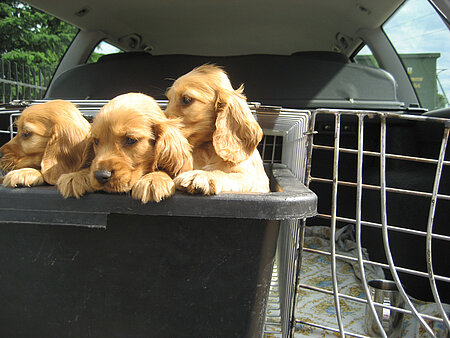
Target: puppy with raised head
222,131
134,146
49,142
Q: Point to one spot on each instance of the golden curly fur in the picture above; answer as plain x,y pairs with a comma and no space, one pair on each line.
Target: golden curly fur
50,140
134,146
222,131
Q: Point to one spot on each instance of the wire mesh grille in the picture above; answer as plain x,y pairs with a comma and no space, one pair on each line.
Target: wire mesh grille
285,132
270,148
387,178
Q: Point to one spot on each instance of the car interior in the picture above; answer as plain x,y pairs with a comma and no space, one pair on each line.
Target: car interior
297,56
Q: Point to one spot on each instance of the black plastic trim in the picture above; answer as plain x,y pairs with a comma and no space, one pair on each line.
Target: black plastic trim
44,205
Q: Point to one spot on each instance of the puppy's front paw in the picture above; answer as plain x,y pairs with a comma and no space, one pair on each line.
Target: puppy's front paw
153,187
197,182
25,177
74,184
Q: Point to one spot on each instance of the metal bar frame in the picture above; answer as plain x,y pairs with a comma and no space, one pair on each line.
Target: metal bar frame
359,186
21,82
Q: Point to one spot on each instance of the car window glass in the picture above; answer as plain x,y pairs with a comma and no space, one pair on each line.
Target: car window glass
103,48
423,42
32,44
365,57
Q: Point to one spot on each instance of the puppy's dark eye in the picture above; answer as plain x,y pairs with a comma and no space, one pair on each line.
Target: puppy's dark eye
186,100
26,134
96,141
129,141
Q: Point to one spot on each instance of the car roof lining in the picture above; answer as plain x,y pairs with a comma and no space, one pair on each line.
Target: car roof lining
224,27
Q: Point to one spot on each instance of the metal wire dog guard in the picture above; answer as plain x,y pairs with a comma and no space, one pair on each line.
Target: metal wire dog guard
387,175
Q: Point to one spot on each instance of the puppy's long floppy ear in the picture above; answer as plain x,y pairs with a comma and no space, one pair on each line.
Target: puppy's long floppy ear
172,149
65,151
237,132
88,153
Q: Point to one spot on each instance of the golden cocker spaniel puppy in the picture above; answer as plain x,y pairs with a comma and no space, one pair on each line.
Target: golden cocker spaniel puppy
222,131
134,147
49,142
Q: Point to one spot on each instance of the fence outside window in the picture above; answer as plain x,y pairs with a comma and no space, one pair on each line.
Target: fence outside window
21,82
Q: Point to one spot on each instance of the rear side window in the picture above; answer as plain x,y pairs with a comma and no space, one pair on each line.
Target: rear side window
103,48
32,44
422,41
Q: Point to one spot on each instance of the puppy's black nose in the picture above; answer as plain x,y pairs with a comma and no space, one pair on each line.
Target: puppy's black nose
102,176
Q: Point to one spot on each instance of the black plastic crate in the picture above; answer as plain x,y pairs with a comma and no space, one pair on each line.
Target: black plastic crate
108,266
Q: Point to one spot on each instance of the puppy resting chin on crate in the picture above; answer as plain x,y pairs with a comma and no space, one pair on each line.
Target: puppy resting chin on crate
49,142
222,131
134,147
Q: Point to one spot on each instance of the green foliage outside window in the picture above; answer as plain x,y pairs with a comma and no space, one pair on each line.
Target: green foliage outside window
31,37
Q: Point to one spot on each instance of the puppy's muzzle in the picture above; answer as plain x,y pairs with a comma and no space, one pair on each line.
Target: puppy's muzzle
102,176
